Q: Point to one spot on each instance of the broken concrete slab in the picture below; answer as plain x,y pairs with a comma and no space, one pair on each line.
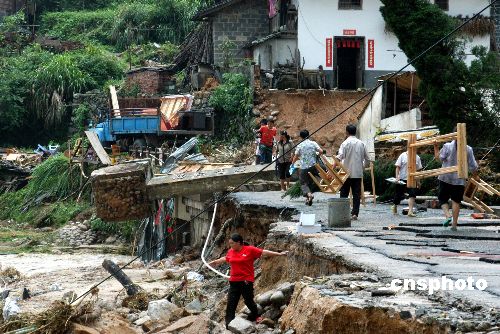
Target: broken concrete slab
209,181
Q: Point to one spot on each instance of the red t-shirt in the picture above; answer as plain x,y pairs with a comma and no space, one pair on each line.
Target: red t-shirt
242,263
267,135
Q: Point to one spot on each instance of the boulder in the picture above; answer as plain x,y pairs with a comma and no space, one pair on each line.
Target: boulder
194,307
241,326
193,324
265,298
81,329
278,298
162,310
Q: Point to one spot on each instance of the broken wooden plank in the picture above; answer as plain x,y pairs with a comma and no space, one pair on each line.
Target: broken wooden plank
99,149
435,172
114,102
434,140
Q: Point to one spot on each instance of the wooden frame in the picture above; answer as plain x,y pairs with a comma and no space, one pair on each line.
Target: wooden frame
475,186
331,179
374,194
461,168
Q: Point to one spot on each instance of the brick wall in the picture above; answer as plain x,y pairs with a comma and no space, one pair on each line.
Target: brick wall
150,82
240,23
495,12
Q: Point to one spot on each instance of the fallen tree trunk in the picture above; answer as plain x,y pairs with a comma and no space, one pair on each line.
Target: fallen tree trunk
113,269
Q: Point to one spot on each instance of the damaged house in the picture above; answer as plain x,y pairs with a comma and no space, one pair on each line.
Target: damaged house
347,38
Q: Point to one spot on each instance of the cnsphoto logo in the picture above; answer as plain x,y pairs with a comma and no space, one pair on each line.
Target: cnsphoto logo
435,284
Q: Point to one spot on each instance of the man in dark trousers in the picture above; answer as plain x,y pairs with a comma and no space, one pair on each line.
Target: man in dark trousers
354,156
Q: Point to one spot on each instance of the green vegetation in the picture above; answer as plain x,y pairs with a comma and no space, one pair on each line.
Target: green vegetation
454,92
127,229
37,85
52,181
124,24
232,101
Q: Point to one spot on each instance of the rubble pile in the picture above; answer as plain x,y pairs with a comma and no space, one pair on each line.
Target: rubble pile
76,234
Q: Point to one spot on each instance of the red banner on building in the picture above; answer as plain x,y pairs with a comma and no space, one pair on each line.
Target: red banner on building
329,52
371,53
349,32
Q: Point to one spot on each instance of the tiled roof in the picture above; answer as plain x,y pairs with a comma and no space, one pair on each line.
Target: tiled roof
218,5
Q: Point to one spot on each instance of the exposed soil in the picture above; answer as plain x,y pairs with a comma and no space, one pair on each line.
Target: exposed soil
310,109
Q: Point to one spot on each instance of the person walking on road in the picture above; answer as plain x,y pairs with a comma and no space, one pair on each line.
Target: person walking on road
354,156
402,175
241,258
284,161
450,186
307,152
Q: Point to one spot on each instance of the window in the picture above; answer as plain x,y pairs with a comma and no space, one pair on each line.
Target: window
350,4
443,4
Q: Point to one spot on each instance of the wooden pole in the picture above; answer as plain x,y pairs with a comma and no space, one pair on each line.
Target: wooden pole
372,173
463,171
113,269
412,161
411,91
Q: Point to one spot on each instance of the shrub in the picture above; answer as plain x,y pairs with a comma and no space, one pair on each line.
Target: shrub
232,101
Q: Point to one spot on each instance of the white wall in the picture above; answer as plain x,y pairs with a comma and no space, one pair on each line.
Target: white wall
321,19
409,120
280,47
370,121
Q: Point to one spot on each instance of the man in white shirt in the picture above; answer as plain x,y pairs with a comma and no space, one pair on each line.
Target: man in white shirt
354,156
402,175
307,152
450,185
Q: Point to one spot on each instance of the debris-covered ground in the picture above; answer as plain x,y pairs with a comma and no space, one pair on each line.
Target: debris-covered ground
331,279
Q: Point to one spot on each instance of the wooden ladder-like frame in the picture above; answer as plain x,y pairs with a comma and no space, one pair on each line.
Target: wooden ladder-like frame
331,179
479,186
461,168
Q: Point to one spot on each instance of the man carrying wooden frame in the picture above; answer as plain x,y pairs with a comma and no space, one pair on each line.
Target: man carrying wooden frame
457,158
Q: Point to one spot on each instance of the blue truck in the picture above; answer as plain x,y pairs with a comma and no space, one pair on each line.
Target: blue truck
142,127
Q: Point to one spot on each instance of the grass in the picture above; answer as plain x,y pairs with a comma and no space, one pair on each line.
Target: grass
15,240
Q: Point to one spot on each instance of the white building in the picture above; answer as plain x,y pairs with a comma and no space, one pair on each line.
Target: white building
349,39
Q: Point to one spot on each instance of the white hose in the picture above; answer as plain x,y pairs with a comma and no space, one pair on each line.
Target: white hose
205,247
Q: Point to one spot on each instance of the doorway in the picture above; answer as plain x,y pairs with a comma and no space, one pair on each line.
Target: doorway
349,62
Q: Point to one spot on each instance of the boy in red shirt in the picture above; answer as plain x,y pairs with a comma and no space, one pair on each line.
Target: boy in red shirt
267,134
241,276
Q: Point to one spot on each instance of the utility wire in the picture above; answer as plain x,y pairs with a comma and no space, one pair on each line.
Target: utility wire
224,196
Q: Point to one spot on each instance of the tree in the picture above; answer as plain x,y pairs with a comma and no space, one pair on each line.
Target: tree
454,92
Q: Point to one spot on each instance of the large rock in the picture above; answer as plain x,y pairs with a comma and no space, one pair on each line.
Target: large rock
162,310
81,329
278,298
241,326
310,312
194,307
193,324
265,298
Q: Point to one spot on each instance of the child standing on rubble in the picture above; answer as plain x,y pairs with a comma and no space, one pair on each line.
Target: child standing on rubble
241,257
